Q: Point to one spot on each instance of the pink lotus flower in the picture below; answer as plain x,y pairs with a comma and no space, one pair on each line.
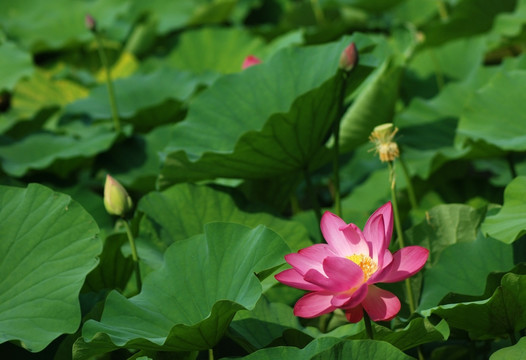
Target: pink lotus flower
250,60
342,273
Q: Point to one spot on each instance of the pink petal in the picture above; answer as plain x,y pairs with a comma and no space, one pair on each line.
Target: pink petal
309,258
355,314
292,278
331,226
381,305
406,262
313,304
355,240
346,301
344,271
374,233
319,279
386,213
250,60
383,262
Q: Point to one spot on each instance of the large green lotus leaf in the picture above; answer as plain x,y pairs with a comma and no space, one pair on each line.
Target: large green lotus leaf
331,348
463,268
370,5
41,150
515,352
49,244
498,102
504,312
38,27
419,331
14,65
182,210
467,18
173,15
189,302
214,49
510,222
460,257
267,120
373,106
139,92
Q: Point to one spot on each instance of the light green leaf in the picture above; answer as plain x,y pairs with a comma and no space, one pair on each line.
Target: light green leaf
499,100
14,65
214,49
515,352
182,210
49,244
460,257
510,222
41,150
188,303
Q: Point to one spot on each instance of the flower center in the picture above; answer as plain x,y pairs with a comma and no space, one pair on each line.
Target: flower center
367,264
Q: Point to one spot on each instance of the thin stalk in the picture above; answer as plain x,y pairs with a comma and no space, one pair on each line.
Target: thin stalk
210,354
398,226
336,134
318,12
313,198
135,258
368,326
511,165
410,188
442,10
109,83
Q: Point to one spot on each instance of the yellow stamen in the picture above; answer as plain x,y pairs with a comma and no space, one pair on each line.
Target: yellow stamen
367,264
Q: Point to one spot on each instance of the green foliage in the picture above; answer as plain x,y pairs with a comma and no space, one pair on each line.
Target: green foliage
230,168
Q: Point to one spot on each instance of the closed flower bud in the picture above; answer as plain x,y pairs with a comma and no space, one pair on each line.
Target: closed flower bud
91,25
249,61
349,58
116,198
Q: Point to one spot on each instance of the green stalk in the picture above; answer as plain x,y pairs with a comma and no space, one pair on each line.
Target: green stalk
442,10
318,12
313,199
410,189
210,354
336,134
109,83
135,258
399,232
368,326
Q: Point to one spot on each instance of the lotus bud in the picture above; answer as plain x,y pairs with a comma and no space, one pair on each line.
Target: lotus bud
382,137
348,58
90,22
249,61
116,198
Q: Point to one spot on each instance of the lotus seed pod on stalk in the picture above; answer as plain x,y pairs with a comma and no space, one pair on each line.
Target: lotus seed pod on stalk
382,137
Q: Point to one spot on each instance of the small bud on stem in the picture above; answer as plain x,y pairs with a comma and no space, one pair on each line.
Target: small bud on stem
349,58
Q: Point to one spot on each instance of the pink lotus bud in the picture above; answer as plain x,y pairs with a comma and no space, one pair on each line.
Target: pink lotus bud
90,22
349,58
250,60
116,198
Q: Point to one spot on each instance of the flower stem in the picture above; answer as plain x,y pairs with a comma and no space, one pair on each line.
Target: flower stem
109,83
410,189
210,354
318,12
368,326
313,198
442,10
134,254
398,225
336,134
